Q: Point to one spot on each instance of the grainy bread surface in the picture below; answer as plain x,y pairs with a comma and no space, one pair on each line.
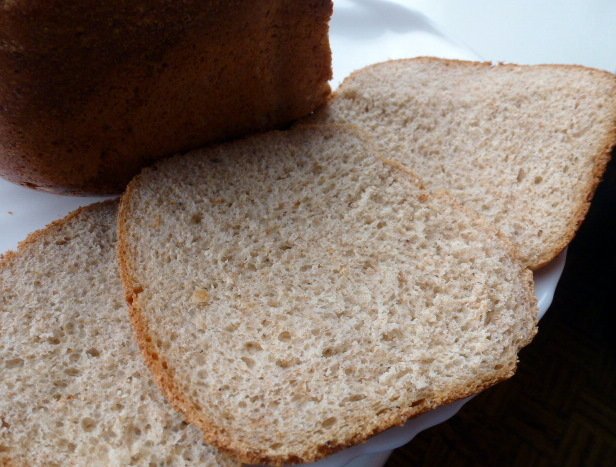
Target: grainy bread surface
295,294
74,389
92,91
525,146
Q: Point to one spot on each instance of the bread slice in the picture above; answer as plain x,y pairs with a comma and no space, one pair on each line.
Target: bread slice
525,146
74,389
295,294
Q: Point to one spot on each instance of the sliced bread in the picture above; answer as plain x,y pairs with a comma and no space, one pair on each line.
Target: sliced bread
74,389
295,294
525,146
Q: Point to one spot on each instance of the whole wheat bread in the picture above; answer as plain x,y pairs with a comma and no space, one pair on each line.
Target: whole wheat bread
74,389
525,146
91,90
294,294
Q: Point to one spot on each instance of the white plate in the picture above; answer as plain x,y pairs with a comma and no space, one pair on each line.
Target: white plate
362,32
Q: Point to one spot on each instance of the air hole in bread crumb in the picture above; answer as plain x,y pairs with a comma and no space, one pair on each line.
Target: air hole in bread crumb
53,340
63,241
69,328
417,402
88,424
92,352
72,371
391,335
538,179
520,176
287,363
196,218
252,347
248,361
328,422
284,336
14,363
200,296
276,445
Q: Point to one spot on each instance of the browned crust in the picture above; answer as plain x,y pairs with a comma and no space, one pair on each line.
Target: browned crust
8,258
91,91
601,159
215,435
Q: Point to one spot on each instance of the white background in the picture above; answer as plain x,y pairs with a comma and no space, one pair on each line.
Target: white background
529,31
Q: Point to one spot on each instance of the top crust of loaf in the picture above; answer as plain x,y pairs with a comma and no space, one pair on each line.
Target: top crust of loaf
535,117
82,356
188,321
92,91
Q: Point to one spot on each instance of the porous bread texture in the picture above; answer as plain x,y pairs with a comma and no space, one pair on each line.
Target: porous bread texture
525,146
294,294
91,90
74,389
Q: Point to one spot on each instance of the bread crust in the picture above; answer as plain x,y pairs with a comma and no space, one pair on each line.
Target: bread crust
214,435
601,158
7,258
92,91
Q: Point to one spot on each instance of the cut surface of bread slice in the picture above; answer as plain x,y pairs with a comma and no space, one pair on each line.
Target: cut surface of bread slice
525,146
295,294
74,389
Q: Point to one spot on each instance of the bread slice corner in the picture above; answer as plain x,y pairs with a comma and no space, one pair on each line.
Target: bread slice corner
525,146
74,388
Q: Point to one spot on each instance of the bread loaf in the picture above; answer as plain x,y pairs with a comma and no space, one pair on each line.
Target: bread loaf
295,294
74,389
91,91
525,146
